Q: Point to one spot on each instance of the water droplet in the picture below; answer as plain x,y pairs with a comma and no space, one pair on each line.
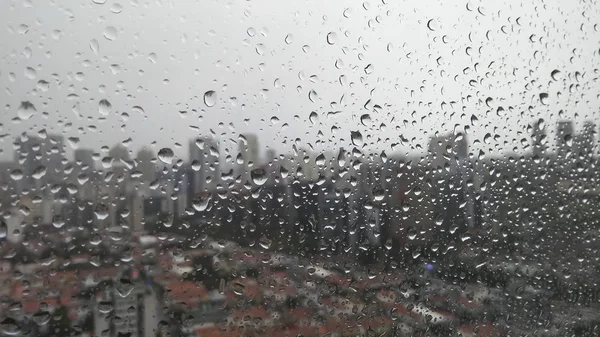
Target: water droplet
16,174
555,74
58,221
110,33
166,155
105,307
431,25
365,119
259,176
331,38
101,211
99,2
251,32
289,39
26,110
357,138
369,69
210,98
39,172
104,107
544,98
152,57
201,202
30,73
138,109
94,46
3,230
10,327
116,8
313,96
41,317
313,117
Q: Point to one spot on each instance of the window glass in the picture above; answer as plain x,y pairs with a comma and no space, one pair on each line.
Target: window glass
299,168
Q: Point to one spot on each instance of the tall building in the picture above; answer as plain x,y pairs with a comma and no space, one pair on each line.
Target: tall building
204,156
84,169
249,155
539,138
145,164
446,149
37,154
564,138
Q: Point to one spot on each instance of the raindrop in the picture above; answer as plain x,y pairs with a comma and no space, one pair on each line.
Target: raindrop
110,33
3,230
201,202
555,74
101,211
10,327
58,221
544,98
331,38
94,46
313,117
431,25
365,119
313,96
26,110
30,73
16,174
357,138
210,98
152,57
39,172
166,155
41,317
99,2
369,69
104,107
259,176
289,39
138,109
105,307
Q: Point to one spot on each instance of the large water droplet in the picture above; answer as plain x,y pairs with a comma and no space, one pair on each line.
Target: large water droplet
104,107
331,38
555,74
26,110
10,327
313,96
94,46
357,138
110,33
259,176
101,211
210,98
201,202
41,317
39,172
166,155
544,98
313,117
16,174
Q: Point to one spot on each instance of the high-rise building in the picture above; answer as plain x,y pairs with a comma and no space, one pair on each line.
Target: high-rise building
539,138
145,164
204,156
84,169
42,154
564,138
249,155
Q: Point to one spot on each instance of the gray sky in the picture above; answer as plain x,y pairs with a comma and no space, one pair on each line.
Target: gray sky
164,55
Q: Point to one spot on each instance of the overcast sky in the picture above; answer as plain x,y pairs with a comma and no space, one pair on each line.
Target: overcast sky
429,66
